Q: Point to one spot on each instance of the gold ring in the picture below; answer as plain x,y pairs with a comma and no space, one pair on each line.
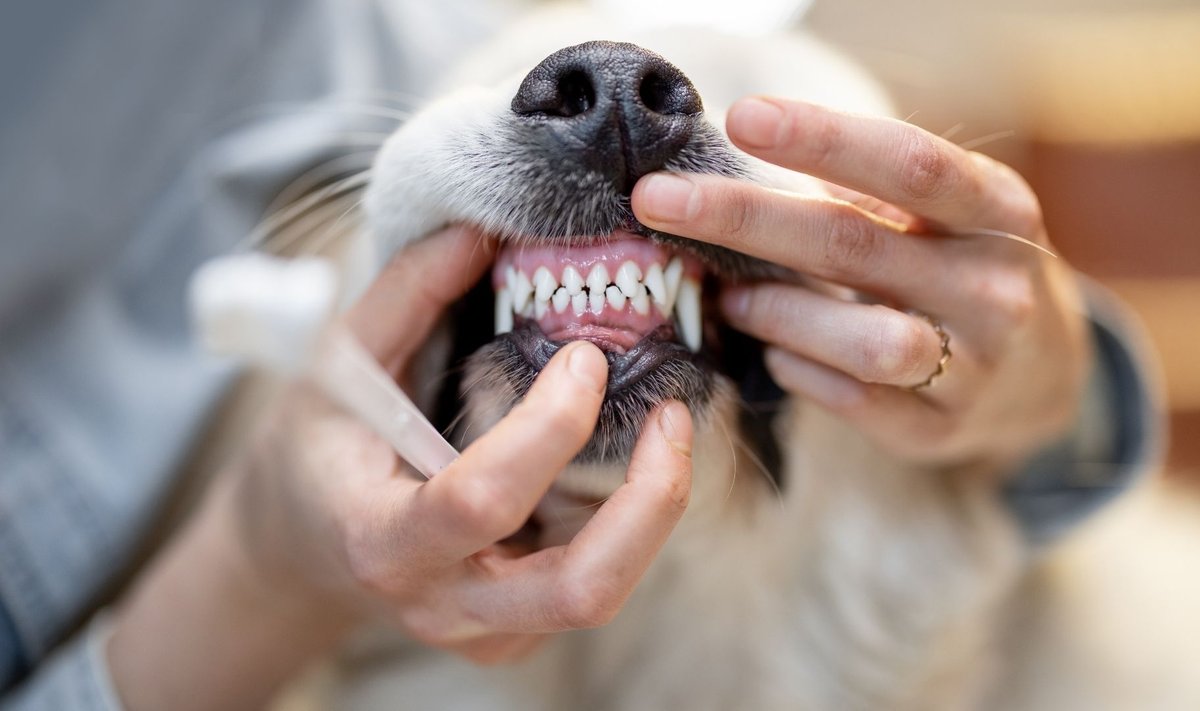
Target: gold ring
944,361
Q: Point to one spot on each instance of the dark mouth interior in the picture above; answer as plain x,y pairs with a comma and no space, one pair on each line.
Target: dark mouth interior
657,367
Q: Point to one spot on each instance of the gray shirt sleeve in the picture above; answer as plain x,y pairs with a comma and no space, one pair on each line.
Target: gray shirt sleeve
75,677
1117,438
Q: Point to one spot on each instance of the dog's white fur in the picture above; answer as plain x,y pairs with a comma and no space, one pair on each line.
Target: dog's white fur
865,585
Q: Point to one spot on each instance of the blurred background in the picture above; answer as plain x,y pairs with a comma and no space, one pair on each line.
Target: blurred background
1097,103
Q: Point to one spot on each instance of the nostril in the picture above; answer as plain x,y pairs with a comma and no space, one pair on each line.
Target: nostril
668,94
654,93
577,94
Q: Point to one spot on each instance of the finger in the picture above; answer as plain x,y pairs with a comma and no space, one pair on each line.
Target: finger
585,583
826,238
490,491
498,648
872,343
904,423
394,317
889,159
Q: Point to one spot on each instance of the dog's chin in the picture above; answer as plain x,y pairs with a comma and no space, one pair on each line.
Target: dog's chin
656,369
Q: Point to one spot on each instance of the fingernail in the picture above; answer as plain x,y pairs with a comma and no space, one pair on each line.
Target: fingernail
754,122
588,365
673,432
735,302
667,197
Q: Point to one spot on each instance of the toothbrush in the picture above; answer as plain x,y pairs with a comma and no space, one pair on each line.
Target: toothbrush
277,313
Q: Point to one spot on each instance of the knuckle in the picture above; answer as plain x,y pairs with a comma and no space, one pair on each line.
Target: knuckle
822,141
584,602
854,245
738,215
927,171
369,570
1011,296
483,509
895,352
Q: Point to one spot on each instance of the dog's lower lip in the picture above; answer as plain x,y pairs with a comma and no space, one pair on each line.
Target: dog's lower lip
625,368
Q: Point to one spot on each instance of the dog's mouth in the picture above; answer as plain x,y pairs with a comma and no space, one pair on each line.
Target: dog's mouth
636,300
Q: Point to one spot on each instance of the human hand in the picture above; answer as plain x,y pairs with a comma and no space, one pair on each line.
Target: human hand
328,512
913,221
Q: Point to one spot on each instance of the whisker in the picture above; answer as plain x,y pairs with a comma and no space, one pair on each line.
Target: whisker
307,181
984,232
263,233
953,130
318,245
984,140
304,225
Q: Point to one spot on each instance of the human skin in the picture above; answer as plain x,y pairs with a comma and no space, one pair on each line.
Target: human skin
319,526
914,222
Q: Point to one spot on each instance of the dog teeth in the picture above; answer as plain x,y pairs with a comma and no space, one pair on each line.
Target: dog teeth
616,297
629,277
687,312
665,288
671,278
544,284
504,311
560,299
522,290
657,287
572,280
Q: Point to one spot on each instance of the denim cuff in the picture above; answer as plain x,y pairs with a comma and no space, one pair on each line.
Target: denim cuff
1117,438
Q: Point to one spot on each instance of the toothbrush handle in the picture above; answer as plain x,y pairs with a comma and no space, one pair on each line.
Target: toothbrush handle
354,379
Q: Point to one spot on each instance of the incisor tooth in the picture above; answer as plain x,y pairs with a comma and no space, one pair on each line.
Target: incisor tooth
641,301
629,277
657,287
540,308
572,280
597,280
579,303
522,290
671,276
616,297
510,277
687,312
561,298
504,313
596,300
544,284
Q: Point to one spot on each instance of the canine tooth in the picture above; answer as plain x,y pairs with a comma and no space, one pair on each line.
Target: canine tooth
579,303
504,312
641,301
560,299
657,287
671,276
527,312
597,280
616,297
522,290
629,277
687,311
573,280
596,301
540,308
544,284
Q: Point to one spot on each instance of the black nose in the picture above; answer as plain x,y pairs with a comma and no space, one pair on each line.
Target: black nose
615,108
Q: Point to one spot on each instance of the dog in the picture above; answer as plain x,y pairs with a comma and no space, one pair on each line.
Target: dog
811,570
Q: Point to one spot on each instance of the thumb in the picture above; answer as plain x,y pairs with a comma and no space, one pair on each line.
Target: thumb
395,315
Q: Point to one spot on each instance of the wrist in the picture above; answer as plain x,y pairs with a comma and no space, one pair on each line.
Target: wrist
204,624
